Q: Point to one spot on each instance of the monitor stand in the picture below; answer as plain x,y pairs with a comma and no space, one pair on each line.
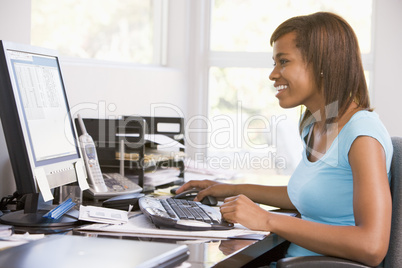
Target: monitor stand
32,218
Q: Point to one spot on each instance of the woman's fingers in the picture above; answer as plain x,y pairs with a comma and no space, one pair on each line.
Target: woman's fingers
194,184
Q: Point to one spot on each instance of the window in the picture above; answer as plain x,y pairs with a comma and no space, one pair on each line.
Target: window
246,25
239,88
116,30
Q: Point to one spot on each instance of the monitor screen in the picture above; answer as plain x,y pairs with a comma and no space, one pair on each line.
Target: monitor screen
35,114
45,111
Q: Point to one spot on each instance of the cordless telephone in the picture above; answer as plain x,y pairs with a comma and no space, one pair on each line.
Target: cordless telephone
95,176
102,185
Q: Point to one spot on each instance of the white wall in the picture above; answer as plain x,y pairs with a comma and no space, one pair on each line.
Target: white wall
15,20
387,99
102,91
14,26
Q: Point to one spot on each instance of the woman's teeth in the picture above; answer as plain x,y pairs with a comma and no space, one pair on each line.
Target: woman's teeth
281,87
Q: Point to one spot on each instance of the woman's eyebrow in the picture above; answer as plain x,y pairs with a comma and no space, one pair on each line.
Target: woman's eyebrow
280,54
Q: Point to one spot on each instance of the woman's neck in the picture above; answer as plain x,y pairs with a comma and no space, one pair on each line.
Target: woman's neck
322,114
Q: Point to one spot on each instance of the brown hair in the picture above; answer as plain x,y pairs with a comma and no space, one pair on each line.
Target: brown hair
329,44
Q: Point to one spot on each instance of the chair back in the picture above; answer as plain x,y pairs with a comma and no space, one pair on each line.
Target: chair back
394,255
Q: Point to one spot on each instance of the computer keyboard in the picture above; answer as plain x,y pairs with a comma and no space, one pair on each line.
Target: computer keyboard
182,214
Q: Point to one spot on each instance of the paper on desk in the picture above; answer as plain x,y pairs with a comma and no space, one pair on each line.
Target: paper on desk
103,215
161,176
142,226
163,141
81,176
43,184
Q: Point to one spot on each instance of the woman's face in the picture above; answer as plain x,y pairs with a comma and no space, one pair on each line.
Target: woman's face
294,79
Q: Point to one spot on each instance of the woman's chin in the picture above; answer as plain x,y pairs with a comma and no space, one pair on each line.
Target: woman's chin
286,105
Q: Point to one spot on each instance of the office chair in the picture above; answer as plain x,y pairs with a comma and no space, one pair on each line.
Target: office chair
394,255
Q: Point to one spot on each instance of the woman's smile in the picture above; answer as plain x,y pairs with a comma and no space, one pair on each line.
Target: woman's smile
280,88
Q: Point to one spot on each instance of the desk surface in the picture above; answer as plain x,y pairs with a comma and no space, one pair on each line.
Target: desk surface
218,253
231,252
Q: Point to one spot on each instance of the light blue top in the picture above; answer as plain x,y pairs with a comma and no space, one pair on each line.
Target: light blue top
322,191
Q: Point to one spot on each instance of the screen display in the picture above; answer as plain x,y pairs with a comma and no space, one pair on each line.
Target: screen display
90,151
46,114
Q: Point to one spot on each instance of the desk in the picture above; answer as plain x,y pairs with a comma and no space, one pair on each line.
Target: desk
222,253
209,253
219,253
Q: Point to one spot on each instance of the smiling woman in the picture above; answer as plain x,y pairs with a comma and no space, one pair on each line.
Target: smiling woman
344,173
240,62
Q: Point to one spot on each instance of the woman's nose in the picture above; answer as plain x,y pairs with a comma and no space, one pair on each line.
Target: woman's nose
274,75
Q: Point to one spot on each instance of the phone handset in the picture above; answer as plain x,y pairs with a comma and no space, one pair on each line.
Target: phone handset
95,176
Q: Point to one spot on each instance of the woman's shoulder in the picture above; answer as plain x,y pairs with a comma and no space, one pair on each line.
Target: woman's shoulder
363,121
366,123
365,114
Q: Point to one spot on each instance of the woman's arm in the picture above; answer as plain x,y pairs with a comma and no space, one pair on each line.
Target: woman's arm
276,196
366,242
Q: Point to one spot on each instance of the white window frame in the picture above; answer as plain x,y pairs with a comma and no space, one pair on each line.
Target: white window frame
161,13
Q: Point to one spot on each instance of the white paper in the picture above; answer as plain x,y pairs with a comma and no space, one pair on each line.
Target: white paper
164,141
161,176
103,215
43,184
141,226
82,178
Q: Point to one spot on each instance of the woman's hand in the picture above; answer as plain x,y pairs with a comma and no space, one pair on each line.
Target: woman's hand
200,184
208,187
240,209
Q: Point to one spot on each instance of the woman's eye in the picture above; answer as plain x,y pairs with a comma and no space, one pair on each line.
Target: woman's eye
281,62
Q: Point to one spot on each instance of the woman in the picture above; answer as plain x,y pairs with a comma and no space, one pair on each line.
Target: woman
341,185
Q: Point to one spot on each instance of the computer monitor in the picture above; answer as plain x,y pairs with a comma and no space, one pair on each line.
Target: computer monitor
38,127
